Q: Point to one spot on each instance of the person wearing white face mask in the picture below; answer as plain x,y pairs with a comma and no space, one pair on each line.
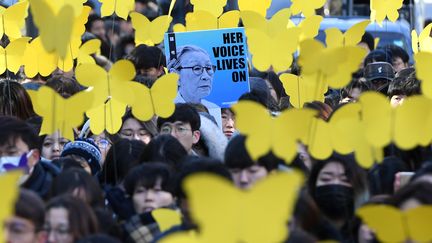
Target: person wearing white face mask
19,150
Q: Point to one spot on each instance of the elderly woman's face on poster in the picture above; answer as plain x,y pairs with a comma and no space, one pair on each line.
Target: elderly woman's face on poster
196,76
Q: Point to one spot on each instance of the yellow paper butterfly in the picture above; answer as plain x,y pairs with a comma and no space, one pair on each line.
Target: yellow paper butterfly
11,57
309,27
215,7
77,5
85,51
58,113
158,100
265,133
55,28
335,38
12,19
227,214
306,7
334,65
258,6
166,218
37,60
10,189
113,91
385,8
423,62
423,42
149,33
120,7
302,90
202,20
279,21
393,225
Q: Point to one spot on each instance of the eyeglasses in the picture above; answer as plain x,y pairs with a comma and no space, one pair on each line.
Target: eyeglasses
103,143
198,70
179,129
61,232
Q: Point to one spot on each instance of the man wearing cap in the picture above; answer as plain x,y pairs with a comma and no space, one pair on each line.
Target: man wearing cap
379,75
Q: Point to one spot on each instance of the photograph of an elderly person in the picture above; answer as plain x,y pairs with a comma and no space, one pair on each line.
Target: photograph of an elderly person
196,71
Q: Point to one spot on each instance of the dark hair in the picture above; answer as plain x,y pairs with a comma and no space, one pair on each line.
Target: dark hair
147,175
324,110
77,179
91,19
149,126
12,128
426,169
183,113
378,55
144,57
193,165
404,85
236,156
82,220
369,40
274,80
382,175
397,51
14,100
31,207
420,191
121,157
164,148
356,175
121,46
360,84
65,86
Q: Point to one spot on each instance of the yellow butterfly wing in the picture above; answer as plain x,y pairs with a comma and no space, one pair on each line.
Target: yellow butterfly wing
385,221
418,220
120,7
424,39
120,76
310,27
296,88
166,218
10,189
229,20
270,200
253,20
385,8
259,44
342,122
254,121
88,48
142,107
13,18
215,7
259,6
414,41
149,33
163,94
423,62
92,75
334,38
306,7
107,116
37,60
158,27
215,206
76,106
15,53
2,60
310,56
52,111
200,20
354,34
282,49
278,23
77,5
319,146
77,31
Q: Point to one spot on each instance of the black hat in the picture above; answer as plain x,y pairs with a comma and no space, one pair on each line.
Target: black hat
379,70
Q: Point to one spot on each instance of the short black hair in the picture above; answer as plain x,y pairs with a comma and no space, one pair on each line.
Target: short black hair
12,128
398,51
184,113
404,85
237,156
146,175
31,207
91,19
369,40
144,57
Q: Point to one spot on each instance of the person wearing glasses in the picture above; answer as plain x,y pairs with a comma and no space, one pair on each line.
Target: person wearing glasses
196,72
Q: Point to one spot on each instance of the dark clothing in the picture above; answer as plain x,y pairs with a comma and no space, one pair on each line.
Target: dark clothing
141,228
40,179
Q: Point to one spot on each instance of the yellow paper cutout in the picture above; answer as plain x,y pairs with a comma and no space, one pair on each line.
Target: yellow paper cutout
335,38
423,62
55,29
201,20
112,93
77,5
259,6
302,90
392,225
37,60
120,7
414,113
13,20
310,27
380,9
87,49
279,21
334,65
423,42
267,134
60,114
11,56
149,33
158,100
376,42
10,191
214,7
166,218
306,7
246,210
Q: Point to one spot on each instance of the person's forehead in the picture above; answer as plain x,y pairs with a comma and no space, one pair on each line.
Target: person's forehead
176,123
334,168
195,57
131,123
14,142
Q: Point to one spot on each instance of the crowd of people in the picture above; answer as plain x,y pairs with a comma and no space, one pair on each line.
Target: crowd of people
104,187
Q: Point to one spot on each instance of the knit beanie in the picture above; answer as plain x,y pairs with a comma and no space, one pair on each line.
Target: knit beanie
87,149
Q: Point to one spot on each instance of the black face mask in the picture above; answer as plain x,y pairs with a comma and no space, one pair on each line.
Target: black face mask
335,201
